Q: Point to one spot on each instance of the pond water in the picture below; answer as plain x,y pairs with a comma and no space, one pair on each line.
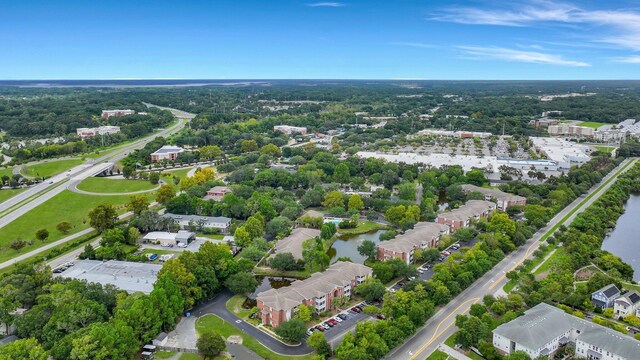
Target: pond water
624,240
270,282
348,246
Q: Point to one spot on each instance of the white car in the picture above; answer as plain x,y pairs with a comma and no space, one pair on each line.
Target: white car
420,271
182,245
337,319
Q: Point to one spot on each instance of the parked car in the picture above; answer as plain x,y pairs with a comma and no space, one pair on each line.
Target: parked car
445,253
343,316
319,328
58,270
337,318
411,278
356,309
310,331
442,258
333,322
420,271
328,324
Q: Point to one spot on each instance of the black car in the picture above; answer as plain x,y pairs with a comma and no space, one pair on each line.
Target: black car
328,324
343,316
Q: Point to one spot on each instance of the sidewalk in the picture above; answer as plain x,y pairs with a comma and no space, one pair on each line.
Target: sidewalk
453,353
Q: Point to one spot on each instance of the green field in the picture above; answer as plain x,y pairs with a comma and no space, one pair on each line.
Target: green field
6,171
438,355
66,206
7,193
550,261
605,149
592,124
180,173
212,322
104,185
50,168
235,306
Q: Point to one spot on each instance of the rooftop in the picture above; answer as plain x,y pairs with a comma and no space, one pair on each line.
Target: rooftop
423,232
493,193
293,243
196,218
124,275
319,284
469,210
168,149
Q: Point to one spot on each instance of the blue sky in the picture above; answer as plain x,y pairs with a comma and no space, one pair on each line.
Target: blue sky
281,39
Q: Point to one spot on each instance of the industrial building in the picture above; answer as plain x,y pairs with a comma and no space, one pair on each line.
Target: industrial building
124,275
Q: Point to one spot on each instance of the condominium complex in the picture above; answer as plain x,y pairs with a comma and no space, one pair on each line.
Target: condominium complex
286,129
423,235
503,200
108,113
279,305
543,329
101,130
462,216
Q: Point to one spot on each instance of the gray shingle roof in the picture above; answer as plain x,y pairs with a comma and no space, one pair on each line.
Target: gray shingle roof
319,284
493,193
293,243
423,232
469,210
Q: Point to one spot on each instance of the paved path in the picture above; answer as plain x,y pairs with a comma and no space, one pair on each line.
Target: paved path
442,324
218,307
184,335
453,353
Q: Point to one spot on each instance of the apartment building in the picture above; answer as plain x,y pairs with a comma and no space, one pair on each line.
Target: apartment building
166,153
287,129
424,235
108,113
293,243
543,329
462,216
279,305
502,199
101,130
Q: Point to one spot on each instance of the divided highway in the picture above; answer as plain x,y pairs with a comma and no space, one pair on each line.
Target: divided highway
442,324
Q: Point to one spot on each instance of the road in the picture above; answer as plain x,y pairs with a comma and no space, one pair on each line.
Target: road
26,201
442,324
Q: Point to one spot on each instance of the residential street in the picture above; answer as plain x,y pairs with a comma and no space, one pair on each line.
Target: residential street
442,324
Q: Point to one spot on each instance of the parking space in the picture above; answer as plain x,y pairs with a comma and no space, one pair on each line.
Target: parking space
349,318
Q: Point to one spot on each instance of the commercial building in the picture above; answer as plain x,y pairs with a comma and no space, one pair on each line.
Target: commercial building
571,130
167,153
216,193
543,122
462,216
170,239
293,243
618,132
424,235
565,153
220,223
278,305
503,200
108,113
543,329
286,129
454,134
101,130
124,275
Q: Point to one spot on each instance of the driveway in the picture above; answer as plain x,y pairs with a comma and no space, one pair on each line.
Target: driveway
184,335
217,307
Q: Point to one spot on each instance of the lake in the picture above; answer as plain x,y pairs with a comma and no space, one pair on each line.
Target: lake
624,240
270,282
348,246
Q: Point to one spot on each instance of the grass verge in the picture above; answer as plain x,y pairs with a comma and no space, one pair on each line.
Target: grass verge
9,193
212,322
105,185
362,228
438,355
235,306
50,168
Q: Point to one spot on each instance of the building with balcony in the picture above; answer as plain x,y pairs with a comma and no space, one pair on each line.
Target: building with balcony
462,216
424,235
502,199
543,329
279,305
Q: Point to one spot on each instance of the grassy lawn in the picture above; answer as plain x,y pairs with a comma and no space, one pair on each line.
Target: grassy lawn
209,236
7,193
104,185
51,168
605,149
451,341
6,171
187,356
551,260
438,355
363,227
165,354
212,322
235,306
592,124
66,206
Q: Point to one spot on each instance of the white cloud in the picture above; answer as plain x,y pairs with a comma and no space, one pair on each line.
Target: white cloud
635,59
327,4
499,53
414,44
619,27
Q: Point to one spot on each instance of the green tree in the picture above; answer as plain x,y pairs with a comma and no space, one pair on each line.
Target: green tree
17,244
272,150
242,283
210,152
355,202
395,214
248,145
371,290
518,355
210,344
318,342
23,349
137,204
367,248
476,177
328,230
64,227
501,224
103,217
407,191
165,193
42,234
333,199
341,174
304,313
283,262
279,225
242,237
154,178
292,330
